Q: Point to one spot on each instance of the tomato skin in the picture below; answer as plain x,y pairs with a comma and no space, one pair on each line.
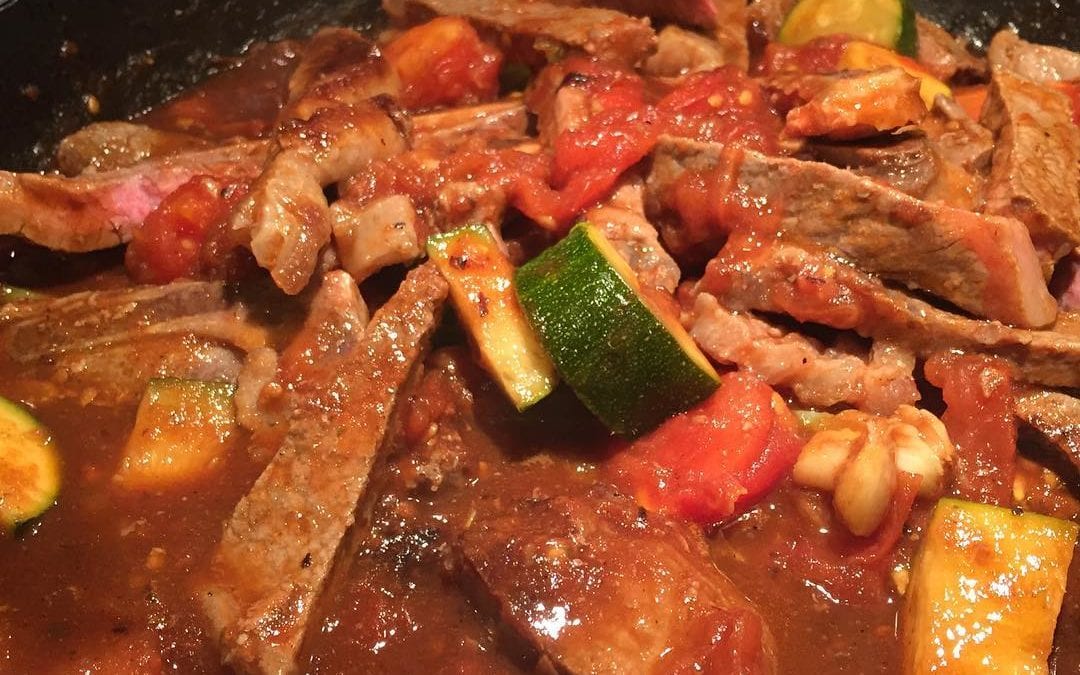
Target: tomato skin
721,106
979,397
717,459
820,56
444,62
168,245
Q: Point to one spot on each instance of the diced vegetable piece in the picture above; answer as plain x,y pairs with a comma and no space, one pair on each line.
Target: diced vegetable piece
627,359
865,56
985,591
182,430
29,466
482,289
716,459
14,294
889,23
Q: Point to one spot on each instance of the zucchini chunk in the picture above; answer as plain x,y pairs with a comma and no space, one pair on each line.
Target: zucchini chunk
889,23
985,590
182,430
482,290
631,363
29,466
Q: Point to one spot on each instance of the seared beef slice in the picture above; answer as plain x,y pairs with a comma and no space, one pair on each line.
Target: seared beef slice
600,586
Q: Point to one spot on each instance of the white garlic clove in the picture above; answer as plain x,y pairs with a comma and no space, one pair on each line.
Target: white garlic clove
865,487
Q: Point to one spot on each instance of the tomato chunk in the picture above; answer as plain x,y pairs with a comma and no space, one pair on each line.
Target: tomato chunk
979,416
169,243
716,460
444,62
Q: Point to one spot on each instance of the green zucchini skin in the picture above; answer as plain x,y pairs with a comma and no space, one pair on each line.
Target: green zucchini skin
30,469
889,23
481,288
629,368
907,43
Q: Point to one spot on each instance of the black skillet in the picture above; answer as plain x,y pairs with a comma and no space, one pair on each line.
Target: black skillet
55,54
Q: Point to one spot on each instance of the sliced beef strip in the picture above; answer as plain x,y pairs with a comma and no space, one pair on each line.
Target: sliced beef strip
338,66
946,57
681,52
1039,63
811,286
907,163
986,265
1054,418
44,328
446,130
818,376
1036,162
700,13
100,210
281,541
622,220
241,101
104,146
957,137
604,33
286,214
599,585
103,346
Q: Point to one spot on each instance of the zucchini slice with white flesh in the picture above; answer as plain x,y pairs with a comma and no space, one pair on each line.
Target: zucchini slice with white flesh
29,466
889,23
182,430
482,290
630,362
985,591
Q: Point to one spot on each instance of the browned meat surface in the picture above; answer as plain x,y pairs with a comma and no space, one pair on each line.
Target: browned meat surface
846,107
907,163
282,539
371,236
103,346
338,66
243,101
81,321
100,210
960,139
1054,418
764,17
622,220
286,214
1035,175
607,34
701,13
813,287
1038,63
601,586
945,56
105,146
818,376
681,52
984,264
490,122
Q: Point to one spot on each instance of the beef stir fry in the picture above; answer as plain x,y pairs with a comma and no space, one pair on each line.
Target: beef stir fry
561,337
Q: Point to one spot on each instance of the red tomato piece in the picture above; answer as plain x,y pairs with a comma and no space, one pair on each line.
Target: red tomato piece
718,459
444,62
722,106
979,416
168,244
